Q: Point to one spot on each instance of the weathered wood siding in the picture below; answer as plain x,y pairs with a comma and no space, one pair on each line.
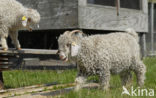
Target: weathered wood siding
55,14
71,14
105,17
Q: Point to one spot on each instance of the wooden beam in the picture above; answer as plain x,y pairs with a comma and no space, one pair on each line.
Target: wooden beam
28,51
152,25
82,2
118,6
144,6
143,45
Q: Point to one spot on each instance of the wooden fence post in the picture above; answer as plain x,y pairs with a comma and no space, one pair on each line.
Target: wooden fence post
1,80
152,27
142,44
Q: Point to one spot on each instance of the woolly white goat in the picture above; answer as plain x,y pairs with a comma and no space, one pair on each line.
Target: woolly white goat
103,55
14,16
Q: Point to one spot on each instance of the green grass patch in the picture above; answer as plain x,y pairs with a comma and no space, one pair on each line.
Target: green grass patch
21,78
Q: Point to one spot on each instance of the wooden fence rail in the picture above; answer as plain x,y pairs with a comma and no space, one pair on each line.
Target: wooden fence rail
29,51
30,59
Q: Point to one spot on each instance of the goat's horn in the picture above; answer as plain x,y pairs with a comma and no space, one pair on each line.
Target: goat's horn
66,32
74,31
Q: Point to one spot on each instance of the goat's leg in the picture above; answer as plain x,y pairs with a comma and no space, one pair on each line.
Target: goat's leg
4,43
104,78
126,77
4,35
80,80
140,73
14,37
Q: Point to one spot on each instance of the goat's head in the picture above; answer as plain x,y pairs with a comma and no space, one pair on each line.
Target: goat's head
30,18
69,44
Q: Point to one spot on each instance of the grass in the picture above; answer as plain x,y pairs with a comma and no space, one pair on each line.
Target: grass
15,79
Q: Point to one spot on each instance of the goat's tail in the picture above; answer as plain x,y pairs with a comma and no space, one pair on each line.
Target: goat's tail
132,33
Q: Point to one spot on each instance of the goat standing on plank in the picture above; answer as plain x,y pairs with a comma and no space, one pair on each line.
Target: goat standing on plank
103,55
13,17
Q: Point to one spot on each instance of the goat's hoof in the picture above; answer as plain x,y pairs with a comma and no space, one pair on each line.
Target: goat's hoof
77,88
5,49
19,48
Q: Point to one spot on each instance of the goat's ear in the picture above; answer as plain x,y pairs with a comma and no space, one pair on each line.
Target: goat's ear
24,21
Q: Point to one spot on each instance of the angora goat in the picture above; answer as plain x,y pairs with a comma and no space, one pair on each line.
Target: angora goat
102,55
14,16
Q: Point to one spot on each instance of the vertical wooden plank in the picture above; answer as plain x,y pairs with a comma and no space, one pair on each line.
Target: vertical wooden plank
141,44
82,2
144,45
144,6
118,7
1,81
152,26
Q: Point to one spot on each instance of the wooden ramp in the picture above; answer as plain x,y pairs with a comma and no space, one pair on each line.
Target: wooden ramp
43,91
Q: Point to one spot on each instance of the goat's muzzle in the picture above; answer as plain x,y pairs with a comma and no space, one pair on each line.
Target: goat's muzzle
62,56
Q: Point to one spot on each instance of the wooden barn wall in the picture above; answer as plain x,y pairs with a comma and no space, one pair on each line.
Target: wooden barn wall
100,17
55,14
